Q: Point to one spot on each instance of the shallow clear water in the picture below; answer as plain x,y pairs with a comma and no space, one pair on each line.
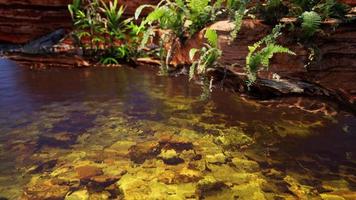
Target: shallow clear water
111,133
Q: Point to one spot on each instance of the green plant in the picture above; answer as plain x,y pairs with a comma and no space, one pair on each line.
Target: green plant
87,22
272,11
178,19
111,37
237,10
200,13
310,23
168,16
74,8
115,26
259,57
331,8
325,8
208,58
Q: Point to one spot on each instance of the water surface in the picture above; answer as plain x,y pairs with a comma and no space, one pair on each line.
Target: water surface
111,133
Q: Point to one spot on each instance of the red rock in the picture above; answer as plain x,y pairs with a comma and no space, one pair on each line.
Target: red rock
25,20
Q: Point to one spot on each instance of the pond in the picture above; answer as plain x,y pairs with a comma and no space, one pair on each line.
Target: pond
125,133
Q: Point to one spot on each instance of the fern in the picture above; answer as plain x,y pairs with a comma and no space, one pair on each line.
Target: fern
258,57
238,16
212,37
310,23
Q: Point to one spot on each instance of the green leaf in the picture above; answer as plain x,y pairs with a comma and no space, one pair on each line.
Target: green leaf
192,53
140,8
156,14
212,37
109,60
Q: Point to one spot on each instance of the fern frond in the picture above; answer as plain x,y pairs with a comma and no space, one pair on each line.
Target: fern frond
212,37
156,14
311,23
238,16
268,52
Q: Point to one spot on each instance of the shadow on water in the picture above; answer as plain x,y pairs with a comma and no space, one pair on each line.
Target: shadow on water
48,115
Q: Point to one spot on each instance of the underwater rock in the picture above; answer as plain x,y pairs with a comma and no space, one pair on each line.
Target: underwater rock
39,189
100,196
245,165
249,191
87,172
209,184
133,187
142,151
78,195
230,176
170,157
172,141
43,167
100,183
331,197
299,190
121,148
336,185
117,167
62,139
234,138
218,158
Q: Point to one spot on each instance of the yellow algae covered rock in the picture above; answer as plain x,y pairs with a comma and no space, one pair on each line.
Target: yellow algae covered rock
78,195
208,184
170,157
249,191
218,158
234,138
331,197
244,164
121,148
100,196
299,190
144,150
39,189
